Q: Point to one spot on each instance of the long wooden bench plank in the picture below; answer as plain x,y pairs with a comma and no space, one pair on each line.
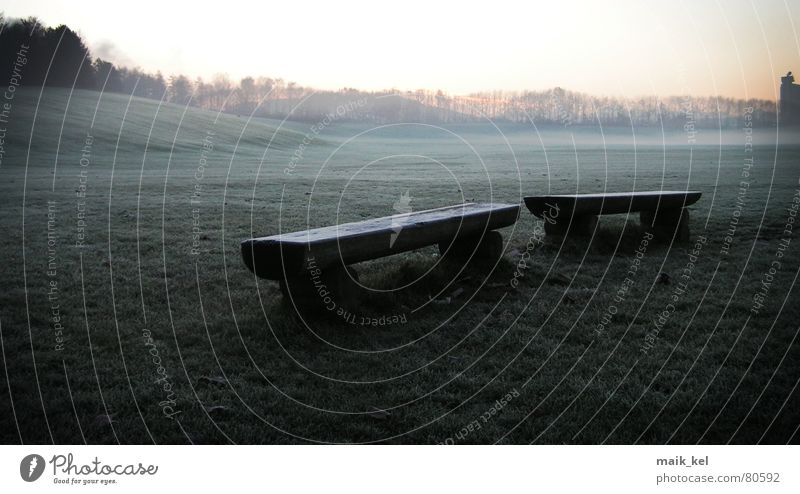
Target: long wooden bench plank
288,254
611,203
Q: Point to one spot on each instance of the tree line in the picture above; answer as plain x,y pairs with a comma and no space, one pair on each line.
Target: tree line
58,56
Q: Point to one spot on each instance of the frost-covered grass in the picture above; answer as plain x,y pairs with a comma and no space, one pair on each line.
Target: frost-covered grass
480,360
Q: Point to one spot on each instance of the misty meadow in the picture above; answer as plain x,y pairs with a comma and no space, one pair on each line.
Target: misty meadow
127,314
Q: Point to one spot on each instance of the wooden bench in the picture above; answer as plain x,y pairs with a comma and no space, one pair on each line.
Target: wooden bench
662,211
306,259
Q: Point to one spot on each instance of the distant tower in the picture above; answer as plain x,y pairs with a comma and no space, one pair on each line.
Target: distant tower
789,111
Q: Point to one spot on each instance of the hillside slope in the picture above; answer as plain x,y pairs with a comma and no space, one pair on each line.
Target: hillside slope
56,122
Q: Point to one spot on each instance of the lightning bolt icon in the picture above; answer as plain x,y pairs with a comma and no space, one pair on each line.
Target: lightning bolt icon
32,466
403,206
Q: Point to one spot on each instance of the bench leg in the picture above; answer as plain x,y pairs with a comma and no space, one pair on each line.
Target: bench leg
318,291
579,226
487,247
667,222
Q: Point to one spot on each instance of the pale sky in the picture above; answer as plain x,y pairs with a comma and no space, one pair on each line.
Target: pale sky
735,48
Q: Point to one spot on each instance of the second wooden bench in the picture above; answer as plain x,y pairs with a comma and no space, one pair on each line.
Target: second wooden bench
664,211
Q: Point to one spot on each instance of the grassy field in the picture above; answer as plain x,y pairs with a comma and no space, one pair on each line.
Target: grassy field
121,228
